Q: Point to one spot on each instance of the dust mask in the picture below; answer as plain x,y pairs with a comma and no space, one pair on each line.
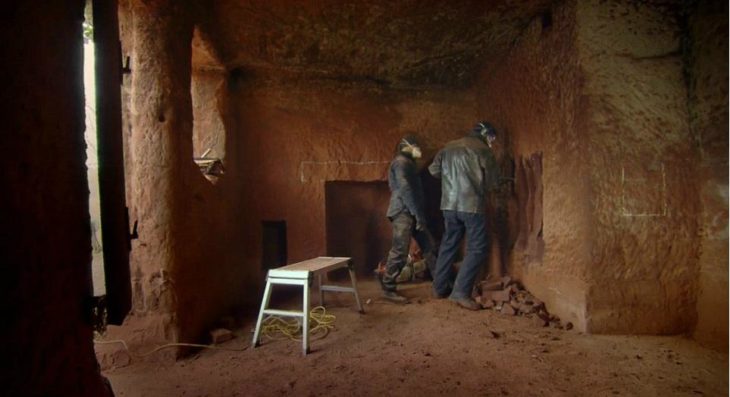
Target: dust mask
411,149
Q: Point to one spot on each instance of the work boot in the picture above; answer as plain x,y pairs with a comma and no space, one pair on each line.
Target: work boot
436,295
394,297
467,303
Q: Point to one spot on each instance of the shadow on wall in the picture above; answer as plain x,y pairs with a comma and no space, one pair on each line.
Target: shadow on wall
356,223
528,192
432,193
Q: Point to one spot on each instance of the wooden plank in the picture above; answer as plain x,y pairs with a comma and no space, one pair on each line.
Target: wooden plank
321,264
282,273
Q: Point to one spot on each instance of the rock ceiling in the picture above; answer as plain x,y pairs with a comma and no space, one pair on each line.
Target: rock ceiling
399,42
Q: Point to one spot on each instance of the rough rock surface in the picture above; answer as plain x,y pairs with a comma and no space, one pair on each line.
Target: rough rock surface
601,94
402,43
533,95
590,101
161,119
45,246
644,203
297,135
209,101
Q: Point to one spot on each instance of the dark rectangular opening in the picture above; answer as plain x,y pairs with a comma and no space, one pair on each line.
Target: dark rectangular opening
274,244
547,20
356,223
110,264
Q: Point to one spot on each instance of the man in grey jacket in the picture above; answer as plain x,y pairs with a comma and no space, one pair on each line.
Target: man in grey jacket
407,215
467,169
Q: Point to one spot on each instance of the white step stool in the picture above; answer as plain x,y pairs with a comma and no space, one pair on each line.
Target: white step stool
301,274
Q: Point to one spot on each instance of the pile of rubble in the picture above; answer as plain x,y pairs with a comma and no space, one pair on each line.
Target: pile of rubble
507,297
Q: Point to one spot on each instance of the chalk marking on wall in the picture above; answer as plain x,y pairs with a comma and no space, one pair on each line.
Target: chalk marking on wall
338,162
557,291
626,212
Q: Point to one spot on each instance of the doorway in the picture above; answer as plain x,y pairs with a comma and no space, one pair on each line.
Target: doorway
274,244
356,223
111,281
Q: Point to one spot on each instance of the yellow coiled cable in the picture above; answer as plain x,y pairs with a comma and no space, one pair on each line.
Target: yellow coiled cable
275,327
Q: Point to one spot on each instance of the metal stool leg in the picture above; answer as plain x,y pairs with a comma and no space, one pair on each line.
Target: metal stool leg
305,318
351,270
264,306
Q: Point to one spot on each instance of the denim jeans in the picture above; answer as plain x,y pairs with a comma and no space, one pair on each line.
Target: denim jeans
404,226
456,223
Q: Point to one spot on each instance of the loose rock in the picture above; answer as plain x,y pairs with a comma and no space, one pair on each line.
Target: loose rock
508,310
220,335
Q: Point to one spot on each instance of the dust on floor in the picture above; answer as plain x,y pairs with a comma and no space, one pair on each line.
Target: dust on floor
432,347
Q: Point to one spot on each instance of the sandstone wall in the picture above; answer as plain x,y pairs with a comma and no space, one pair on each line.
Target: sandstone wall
644,203
208,129
188,262
161,118
708,110
45,235
534,97
590,102
295,135
599,88
285,137
355,225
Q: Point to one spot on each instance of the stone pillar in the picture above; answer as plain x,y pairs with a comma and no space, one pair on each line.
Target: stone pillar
161,147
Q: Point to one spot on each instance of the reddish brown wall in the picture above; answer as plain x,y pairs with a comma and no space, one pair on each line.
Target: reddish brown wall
644,206
208,92
533,96
284,138
295,135
596,88
356,225
708,107
187,264
45,234
601,92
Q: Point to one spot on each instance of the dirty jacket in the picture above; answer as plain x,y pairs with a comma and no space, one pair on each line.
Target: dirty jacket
467,170
406,191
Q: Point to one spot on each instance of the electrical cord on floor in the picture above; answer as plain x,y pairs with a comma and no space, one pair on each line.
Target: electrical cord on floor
158,348
320,321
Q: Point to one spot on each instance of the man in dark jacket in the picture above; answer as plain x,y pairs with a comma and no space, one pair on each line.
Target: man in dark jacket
407,215
467,169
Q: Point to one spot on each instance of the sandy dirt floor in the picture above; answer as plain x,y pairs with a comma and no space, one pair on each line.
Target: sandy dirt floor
432,347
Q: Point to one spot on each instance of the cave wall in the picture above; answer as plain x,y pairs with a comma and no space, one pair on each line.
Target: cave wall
297,134
599,88
355,225
199,249
45,236
644,203
591,101
708,111
533,95
208,96
188,263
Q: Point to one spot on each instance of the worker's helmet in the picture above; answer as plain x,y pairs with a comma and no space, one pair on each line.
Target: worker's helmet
409,145
486,131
